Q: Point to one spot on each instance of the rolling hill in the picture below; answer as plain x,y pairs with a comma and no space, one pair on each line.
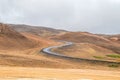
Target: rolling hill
11,39
85,37
37,30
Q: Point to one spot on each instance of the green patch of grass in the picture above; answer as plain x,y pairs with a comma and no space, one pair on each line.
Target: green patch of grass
114,56
113,65
98,57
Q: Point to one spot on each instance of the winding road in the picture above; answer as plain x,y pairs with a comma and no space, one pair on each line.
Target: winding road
48,50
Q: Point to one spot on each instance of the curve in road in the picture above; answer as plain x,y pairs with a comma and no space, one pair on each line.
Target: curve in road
48,50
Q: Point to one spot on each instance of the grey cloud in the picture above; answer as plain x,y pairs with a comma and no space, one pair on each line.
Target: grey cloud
97,16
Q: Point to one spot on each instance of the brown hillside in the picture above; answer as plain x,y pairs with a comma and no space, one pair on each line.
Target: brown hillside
37,30
115,38
84,37
10,39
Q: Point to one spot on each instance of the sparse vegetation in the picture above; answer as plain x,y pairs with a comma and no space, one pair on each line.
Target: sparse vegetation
98,57
114,56
113,65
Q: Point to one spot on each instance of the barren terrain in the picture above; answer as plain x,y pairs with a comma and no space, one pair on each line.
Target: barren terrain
21,56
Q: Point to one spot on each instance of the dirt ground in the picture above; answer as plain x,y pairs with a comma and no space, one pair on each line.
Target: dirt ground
22,73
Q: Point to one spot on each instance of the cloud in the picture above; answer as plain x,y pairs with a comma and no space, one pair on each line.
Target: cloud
98,16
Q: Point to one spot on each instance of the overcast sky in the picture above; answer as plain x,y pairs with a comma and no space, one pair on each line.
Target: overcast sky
97,16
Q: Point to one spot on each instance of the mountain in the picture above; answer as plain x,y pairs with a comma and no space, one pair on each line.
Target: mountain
11,39
37,30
